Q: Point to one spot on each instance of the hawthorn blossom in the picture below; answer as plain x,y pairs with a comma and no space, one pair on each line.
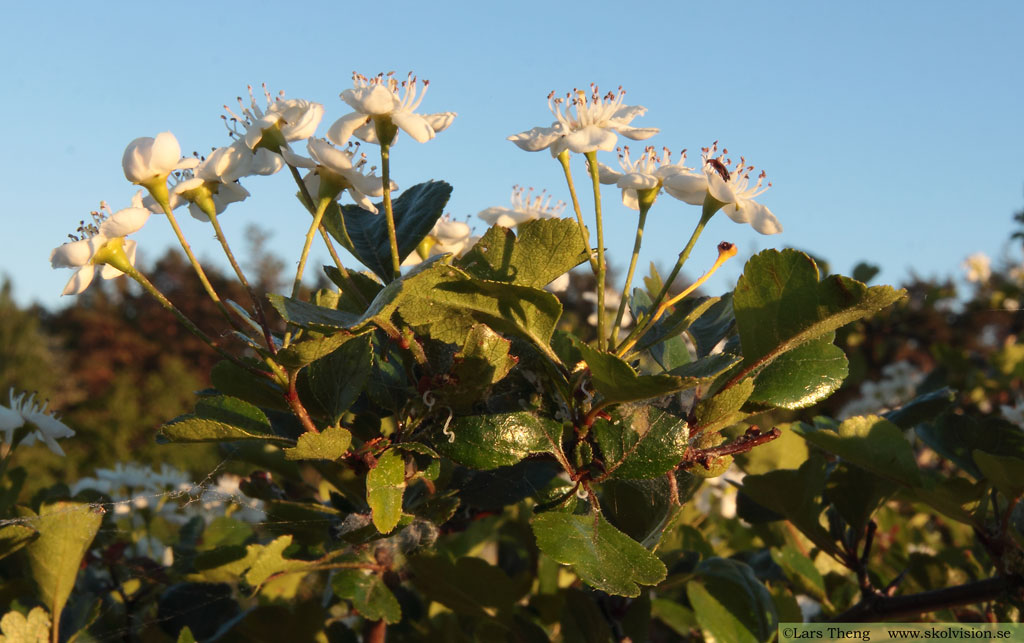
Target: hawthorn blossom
525,207
731,186
96,242
652,173
334,172
282,121
585,125
451,236
213,184
978,267
44,425
384,99
147,158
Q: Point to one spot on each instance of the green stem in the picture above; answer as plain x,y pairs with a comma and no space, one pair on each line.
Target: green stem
563,159
165,204
645,202
601,268
185,321
711,206
261,317
385,171
317,217
307,202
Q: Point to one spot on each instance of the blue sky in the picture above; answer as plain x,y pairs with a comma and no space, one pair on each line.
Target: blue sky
892,132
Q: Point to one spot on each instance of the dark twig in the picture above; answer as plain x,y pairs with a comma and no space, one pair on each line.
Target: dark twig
752,438
877,606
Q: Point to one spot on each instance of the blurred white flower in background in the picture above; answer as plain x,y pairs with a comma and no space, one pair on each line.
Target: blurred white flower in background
978,268
44,425
898,385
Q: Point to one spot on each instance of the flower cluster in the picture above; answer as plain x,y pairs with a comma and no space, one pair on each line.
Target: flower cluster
525,207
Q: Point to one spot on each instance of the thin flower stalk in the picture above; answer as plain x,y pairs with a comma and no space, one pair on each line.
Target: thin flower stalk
563,160
645,199
601,268
711,206
385,171
726,251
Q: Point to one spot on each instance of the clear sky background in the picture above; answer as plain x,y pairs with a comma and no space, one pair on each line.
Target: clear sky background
892,131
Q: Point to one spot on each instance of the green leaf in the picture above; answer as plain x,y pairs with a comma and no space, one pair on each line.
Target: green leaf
731,603
415,212
546,249
221,419
617,382
922,408
483,360
339,378
185,636
348,301
329,444
1005,472
857,493
499,439
780,304
469,585
302,353
230,379
796,496
641,441
15,536
18,629
601,555
723,409
713,326
680,619
385,486
368,593
66,529
957,437
639,508
803,376
307,315
872,443
800,571
685,314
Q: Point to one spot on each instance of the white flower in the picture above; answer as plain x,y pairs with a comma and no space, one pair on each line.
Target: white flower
45,426
525,207
731,186
585,125
214,182
272,128
652,173
382,98
335,167
978,267
898,385
147,158
450,236
105,233
560,284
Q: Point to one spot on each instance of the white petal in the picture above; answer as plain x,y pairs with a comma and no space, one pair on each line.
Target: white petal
10,420
362,200
341,130
736,213
441,121
166,153
590,139
368,132
265,162
720,188
762,218
376,99
538,138
638,133
75,253
80,280
196,213
630,200
607,175
124,222
690,188
637,181
297,160
416,126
